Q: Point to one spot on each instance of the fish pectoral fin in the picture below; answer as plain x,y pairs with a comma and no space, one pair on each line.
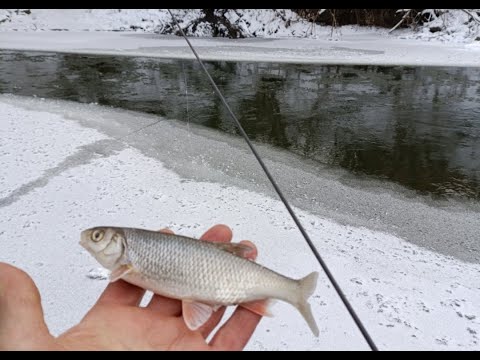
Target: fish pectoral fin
120,271
260,307
195,314
236,249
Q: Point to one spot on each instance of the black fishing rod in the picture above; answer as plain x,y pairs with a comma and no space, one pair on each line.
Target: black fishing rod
322,263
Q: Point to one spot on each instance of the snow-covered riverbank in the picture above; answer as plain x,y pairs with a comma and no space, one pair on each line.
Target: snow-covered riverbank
132,32
447,25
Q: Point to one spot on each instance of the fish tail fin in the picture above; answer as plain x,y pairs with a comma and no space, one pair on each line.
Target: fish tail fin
307,286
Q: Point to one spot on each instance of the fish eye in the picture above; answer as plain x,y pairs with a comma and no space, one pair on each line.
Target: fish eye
97,235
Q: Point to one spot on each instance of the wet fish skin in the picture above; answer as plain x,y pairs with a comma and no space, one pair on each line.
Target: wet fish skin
197,272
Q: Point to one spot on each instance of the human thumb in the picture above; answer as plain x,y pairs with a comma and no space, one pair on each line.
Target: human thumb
22,325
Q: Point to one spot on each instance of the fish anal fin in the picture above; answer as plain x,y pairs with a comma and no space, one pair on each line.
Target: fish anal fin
215,307
260,307
195,314
120,271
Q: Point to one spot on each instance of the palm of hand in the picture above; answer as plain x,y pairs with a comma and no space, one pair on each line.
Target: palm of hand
130,327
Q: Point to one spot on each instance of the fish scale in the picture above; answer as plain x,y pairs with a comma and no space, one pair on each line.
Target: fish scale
207,272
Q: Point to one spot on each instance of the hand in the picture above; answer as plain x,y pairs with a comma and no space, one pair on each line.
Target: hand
116,321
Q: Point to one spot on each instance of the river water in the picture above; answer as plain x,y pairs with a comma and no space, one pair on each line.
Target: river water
415,126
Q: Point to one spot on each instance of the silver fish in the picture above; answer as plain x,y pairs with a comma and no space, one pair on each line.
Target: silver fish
203,274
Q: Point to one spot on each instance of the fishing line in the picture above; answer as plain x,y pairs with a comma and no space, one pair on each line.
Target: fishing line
324,266
186,95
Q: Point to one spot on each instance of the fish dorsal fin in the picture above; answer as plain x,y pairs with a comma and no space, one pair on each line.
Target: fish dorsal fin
120,271
195,314
236,249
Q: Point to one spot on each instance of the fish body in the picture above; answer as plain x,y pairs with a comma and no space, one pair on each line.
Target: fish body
203,274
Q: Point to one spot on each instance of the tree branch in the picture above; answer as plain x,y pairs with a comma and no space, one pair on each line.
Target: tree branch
401,21
474,17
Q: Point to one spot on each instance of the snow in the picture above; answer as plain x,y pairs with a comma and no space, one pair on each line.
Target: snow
454,25
29,162
354,48
280,36
98,274
95,173
451,26
255,22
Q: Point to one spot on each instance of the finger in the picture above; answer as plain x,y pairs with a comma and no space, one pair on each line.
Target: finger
171,307
21,314
251,255
235,333
165,306
121,293
218,233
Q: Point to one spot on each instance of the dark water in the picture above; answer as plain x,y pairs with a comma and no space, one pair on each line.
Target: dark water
416,126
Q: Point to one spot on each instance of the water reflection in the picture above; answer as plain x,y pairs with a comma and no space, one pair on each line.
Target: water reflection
416,126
